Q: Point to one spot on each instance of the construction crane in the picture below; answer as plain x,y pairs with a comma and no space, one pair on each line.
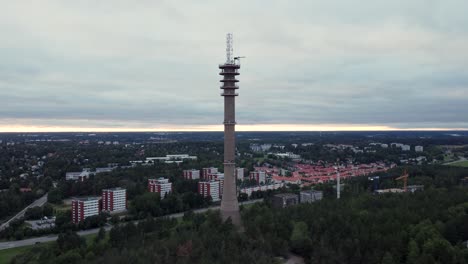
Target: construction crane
404,177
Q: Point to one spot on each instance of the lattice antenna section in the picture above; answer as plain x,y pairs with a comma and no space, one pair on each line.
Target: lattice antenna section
229,49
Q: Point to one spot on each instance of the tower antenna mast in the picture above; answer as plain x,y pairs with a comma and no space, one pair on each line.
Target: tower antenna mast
229,49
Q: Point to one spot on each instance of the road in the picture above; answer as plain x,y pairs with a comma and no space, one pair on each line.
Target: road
39,202
43,239
459,159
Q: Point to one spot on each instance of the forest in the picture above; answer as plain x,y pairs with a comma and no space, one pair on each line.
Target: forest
429,226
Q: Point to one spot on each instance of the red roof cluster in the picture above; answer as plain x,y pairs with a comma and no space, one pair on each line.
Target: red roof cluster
311,174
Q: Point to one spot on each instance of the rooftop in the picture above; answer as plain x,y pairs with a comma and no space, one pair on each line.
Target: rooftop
84,199
286,195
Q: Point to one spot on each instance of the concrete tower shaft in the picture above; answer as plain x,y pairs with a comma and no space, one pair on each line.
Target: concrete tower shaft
229,204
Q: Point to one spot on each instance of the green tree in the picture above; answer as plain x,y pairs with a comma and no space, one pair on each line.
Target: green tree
101,234
388,258
413,252
300,241
70,240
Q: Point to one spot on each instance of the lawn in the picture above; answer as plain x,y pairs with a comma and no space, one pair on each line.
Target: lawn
7,254
460,164
61,207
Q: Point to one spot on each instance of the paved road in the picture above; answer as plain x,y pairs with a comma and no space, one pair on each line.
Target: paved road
32,241
39,202
459,159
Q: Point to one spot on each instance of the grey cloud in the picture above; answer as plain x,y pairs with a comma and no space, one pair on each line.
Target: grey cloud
123,63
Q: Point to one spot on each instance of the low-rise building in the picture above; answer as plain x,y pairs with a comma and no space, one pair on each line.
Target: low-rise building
85,207
210,189
414,188
288,155
161,186
310,196
249,190
77,176
391,190
114,200
284,200
177,158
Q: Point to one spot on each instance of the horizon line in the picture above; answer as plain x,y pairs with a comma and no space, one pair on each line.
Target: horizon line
219,128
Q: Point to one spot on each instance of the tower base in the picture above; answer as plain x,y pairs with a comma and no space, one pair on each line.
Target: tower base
235,218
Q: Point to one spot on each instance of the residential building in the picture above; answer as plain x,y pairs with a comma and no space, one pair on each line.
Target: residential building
161,186
406,147
177,158
263,188
258,176
310,196
414,188
284,200
206,171
78,175
214,176
419,148
85,207
191,174
240,173
210,188
288,155
114,200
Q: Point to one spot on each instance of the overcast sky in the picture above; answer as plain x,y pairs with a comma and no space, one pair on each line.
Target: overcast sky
114,65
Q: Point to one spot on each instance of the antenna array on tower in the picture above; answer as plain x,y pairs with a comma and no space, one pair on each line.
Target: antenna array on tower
229,49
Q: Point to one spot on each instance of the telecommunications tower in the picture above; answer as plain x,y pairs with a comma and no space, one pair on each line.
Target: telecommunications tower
229,71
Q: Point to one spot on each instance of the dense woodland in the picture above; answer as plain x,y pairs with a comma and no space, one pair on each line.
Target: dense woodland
423,227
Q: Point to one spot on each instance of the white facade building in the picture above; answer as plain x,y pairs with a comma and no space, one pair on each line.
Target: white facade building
249,190
207,171
84,207
240,173
191,174
310,196
161,186
419,148
258,176
210,188
114,200
171,158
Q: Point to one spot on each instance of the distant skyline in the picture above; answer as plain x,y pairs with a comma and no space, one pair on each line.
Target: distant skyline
311,65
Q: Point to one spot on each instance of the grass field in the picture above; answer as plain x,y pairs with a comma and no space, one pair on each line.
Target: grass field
460,164
61,207
7,254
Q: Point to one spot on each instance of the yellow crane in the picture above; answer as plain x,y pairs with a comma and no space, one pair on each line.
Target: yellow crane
404,177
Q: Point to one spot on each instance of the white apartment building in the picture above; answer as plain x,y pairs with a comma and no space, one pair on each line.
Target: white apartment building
161,186
191,174
206,171
114,200
240,173
210,188
258,176
84,207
